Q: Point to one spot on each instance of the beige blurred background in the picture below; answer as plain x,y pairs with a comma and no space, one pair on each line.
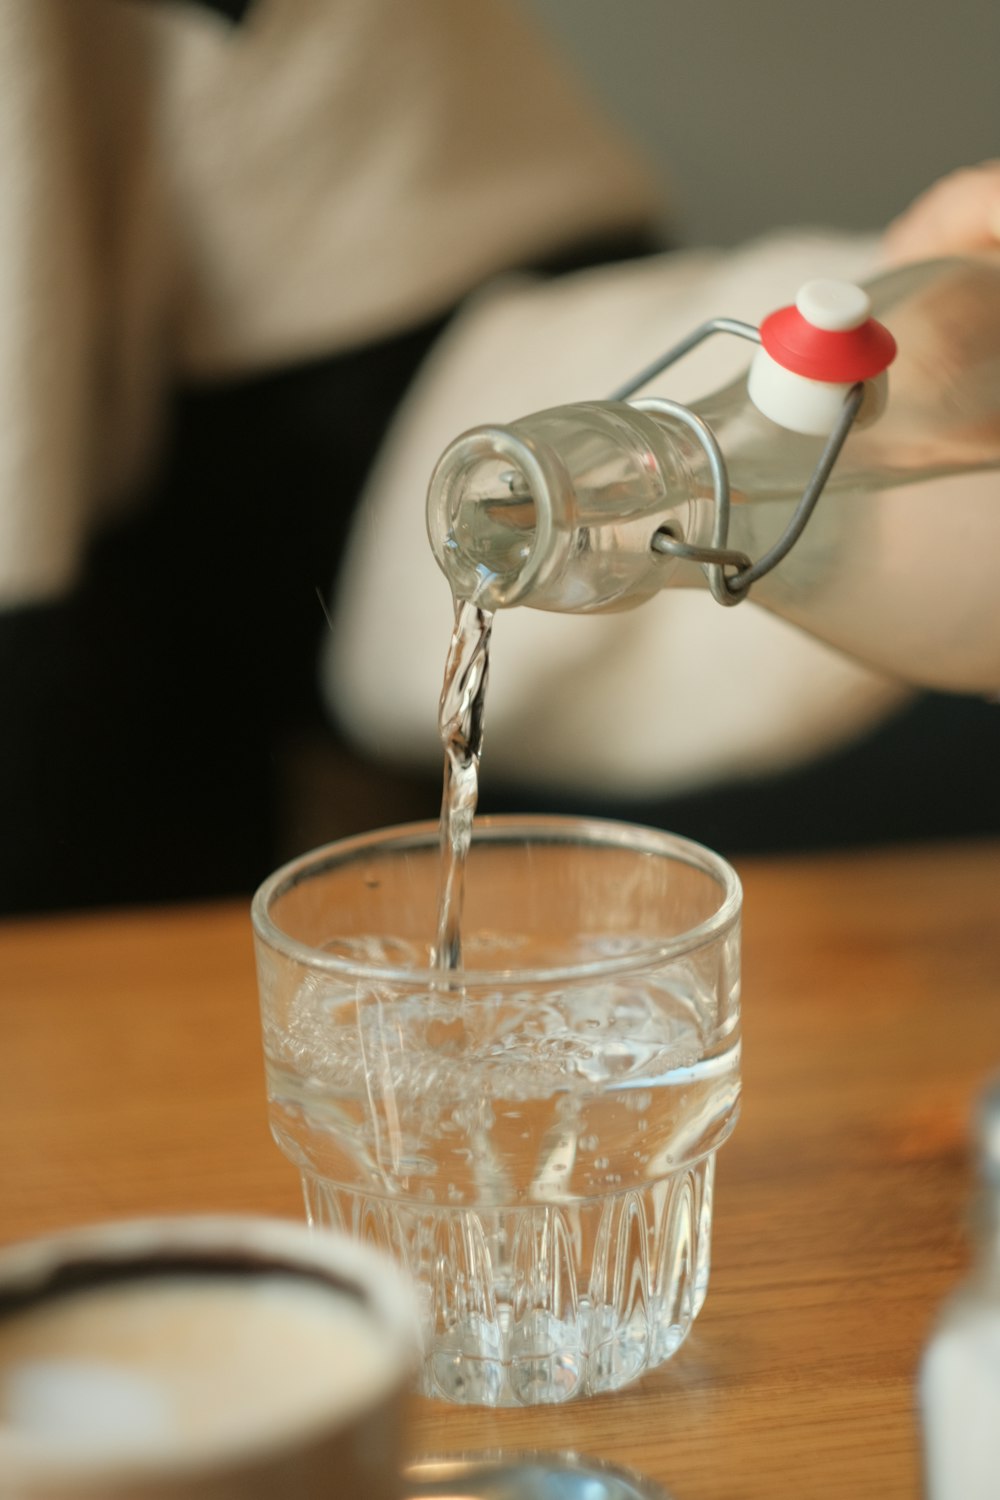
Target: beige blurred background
785,111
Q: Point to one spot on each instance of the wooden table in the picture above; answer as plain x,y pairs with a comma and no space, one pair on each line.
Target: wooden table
131,1083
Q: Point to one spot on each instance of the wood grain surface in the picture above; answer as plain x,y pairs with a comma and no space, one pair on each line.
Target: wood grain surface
131,1082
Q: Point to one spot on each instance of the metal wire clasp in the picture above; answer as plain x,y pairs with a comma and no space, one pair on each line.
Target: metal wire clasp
730,573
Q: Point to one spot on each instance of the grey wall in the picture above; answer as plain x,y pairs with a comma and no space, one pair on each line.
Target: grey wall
763,113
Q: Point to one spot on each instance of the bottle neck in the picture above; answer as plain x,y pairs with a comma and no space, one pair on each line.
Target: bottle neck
559,510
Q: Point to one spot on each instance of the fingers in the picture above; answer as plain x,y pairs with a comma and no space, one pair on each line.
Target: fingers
959,214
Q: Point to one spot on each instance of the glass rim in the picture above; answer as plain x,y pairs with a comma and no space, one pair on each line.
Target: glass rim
502,828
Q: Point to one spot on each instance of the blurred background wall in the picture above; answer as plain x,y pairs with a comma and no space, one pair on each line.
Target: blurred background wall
761,113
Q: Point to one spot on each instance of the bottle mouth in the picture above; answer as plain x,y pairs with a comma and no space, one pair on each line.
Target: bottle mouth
496,510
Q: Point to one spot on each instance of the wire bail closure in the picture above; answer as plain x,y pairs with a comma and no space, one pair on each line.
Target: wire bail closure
730,573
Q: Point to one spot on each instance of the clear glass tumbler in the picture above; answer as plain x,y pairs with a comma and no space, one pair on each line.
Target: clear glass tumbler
532,1135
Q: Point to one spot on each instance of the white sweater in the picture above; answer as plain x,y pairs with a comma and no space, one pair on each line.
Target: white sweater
178,197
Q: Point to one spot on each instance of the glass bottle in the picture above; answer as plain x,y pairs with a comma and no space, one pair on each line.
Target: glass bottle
960,1373
598,505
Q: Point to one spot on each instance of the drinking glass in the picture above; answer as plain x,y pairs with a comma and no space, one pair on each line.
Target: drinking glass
532,1134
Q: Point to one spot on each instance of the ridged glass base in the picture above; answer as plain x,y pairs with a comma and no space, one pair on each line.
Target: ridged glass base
541,1304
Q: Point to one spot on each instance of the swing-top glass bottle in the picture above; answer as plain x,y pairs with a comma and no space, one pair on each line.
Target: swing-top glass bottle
862,505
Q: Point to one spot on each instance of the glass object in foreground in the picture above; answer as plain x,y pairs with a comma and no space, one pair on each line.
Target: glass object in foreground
533,1135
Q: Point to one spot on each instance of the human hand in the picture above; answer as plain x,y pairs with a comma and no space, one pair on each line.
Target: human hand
959,214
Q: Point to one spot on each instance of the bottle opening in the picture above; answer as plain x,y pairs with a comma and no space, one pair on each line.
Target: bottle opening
490,517
496,521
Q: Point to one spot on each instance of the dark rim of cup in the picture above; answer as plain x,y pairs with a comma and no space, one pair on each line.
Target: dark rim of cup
84,1273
